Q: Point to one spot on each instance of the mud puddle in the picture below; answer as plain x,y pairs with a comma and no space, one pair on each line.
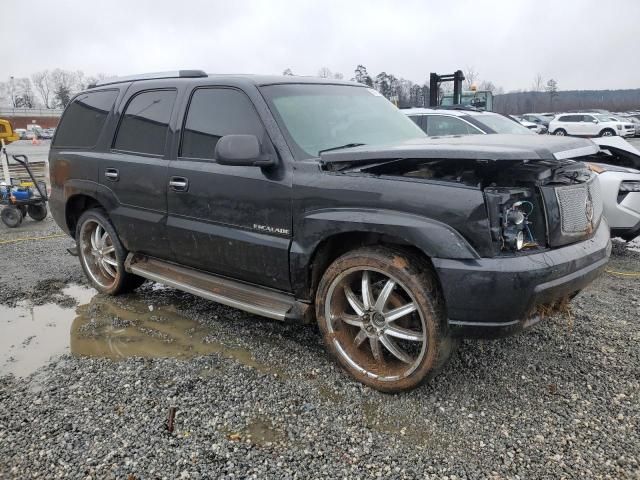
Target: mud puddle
103,326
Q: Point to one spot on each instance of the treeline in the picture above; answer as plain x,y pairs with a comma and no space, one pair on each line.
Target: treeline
45,89
560,101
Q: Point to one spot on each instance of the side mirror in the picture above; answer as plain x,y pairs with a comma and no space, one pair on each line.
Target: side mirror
595,120
242,151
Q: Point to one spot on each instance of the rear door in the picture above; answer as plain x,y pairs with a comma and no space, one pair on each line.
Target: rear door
229,220
135,169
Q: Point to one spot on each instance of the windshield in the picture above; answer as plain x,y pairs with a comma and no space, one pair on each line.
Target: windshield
500,124
320,117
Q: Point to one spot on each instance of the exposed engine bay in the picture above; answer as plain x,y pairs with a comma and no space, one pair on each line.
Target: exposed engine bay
520,195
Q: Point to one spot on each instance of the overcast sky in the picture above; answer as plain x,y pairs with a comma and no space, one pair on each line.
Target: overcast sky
583,44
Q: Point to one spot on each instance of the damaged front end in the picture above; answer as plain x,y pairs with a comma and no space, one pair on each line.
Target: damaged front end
531,205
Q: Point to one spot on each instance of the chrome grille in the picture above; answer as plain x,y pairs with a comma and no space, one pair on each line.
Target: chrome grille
580,206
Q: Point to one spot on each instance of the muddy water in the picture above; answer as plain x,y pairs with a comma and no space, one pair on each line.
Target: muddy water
104,326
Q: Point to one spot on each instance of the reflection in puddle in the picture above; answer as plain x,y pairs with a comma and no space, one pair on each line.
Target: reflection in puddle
102,326
31,335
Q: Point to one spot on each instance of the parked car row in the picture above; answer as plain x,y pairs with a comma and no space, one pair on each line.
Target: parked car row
38,133
617,163
591,123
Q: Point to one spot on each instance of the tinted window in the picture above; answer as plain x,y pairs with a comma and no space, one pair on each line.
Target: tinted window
587,118
84,118
571,118
213,113
145,122
442,125
416,119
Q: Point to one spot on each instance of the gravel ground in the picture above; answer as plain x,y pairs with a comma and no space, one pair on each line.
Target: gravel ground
561,400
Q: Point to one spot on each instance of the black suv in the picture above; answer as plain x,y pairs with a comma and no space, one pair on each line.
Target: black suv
296,198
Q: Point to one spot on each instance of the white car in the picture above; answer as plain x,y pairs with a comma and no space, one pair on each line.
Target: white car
438,122
618,166
590,125
534,127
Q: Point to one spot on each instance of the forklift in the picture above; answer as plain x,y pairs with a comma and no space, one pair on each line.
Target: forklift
19,198
477,99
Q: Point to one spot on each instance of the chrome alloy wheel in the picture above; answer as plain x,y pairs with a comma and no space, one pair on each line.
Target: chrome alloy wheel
375,324
98,254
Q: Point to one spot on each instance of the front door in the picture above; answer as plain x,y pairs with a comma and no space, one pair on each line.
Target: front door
229,220
135,170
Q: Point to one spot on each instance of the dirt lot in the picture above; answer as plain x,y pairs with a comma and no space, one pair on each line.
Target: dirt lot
87,383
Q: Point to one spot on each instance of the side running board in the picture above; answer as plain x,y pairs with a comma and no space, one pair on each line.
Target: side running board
249,298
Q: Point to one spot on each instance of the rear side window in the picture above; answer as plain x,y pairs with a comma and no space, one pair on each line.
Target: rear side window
438,125
84,118
144,125
213,113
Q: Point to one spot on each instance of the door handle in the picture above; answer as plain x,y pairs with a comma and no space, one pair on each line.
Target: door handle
112,174
179,184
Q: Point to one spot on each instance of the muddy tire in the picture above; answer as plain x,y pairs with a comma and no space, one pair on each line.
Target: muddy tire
37,212
561,132
607,132
381,315
102,255
11,216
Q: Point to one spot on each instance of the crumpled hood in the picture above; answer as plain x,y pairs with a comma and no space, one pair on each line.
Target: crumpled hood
473,147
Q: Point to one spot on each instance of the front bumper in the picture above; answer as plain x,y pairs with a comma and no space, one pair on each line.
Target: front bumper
492,297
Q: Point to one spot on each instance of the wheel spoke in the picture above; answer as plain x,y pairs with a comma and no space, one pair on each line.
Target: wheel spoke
94,243
399,312
395,350
109,250
103,239
404,333
384,295
107,268
110,261
360,338
376,350
367,296
353,301
351,319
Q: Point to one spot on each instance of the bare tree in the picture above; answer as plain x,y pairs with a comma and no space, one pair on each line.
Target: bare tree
324,72
552,90
64,84
338,76
470,77
538,83
42,83
24,96
287,71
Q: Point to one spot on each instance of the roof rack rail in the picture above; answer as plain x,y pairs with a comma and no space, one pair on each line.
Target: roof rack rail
151,76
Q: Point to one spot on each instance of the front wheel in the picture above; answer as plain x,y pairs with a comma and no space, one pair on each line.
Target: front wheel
381,315
11,216
607,133
560,132
102,255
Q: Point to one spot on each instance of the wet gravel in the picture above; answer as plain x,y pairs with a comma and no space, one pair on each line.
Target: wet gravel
561,400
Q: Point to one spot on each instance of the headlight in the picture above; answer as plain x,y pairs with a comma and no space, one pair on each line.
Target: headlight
630,186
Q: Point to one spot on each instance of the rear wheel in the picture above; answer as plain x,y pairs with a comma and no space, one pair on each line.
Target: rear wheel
607,132
38,211
102,255
381,316
11,216
560,132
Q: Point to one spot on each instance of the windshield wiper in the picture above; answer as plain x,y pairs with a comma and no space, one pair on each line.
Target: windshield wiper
339,147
